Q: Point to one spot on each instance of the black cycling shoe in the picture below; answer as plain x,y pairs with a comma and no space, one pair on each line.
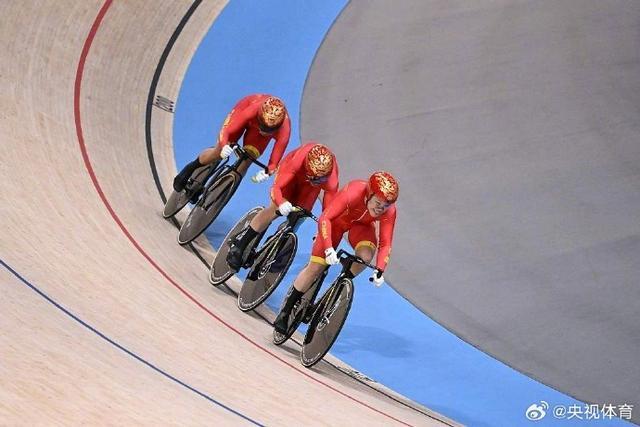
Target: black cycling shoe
281,324
180,181
238,246
234,257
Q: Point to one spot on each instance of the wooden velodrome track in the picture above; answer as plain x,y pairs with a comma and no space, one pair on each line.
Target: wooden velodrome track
104,318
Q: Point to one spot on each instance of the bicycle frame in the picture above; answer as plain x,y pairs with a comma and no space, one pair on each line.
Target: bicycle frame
215,173
293,222
336,287
318,284
224,169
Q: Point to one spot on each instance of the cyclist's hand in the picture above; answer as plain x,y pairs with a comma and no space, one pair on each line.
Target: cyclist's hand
331,256
260,176
227,150
285,208
377,278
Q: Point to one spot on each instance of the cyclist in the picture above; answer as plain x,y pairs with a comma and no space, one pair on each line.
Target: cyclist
301,175
355,209
260,118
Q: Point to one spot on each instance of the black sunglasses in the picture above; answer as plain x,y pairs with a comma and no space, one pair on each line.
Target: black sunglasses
318,179
267,129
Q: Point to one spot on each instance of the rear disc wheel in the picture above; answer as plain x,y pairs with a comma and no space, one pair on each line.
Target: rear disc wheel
267,272
220,270
179,199
208,208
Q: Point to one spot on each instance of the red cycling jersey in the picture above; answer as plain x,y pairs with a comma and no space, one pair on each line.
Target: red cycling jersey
291,182
348,212
243,120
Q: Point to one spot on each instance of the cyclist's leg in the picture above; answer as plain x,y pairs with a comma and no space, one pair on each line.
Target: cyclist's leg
253,151
306,277
362,237
317,263
305,195
258,224
206,157
301,284
261,221
243,167
210,155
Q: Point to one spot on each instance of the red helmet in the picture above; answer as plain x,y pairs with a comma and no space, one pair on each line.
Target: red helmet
385,186
319,162
271,114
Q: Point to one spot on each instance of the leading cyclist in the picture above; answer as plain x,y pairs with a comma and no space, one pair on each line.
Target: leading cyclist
355,209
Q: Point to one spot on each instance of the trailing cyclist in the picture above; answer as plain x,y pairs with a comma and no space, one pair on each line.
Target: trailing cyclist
259,118
355,209
303,173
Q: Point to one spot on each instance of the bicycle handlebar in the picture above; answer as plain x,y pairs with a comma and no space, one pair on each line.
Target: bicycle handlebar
344,254
241,152
305,212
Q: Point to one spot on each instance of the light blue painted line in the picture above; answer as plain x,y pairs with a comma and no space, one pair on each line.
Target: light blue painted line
268,46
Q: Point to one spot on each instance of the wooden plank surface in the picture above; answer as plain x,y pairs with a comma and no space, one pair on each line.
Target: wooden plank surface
113,261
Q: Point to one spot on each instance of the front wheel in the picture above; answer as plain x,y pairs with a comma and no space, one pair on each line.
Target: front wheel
220,270
208,207
327,322
267,271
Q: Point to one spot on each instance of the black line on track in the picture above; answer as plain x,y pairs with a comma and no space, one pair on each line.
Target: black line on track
148,113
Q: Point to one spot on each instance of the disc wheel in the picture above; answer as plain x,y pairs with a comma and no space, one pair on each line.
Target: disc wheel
208,207
267,272
220,270
327,322
179,199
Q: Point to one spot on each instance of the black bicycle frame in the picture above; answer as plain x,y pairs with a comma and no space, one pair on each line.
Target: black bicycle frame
223,169
215,172
293,222
347,261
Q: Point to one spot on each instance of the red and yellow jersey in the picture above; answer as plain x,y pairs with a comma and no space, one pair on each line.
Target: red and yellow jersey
291,181
349,208
243,120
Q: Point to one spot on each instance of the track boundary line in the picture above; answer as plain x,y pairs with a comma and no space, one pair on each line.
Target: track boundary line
121,347
89,167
